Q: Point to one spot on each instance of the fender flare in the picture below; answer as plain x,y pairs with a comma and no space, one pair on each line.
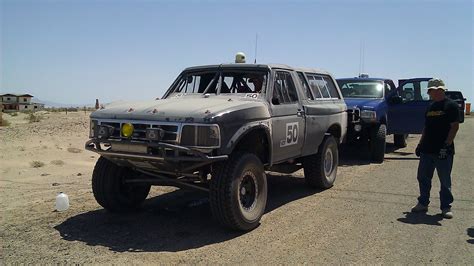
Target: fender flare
246,129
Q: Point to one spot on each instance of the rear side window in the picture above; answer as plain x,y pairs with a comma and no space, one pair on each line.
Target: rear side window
322,86
314,86
284,89
331,87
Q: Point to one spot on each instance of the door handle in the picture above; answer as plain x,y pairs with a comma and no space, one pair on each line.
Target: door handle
300,112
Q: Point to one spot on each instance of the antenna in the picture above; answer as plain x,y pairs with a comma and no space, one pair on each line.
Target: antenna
360,57
363,55
256,42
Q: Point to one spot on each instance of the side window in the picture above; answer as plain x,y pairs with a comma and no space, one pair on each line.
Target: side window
424,91
408,92
305,86
415,91
314,86
284,90
331,87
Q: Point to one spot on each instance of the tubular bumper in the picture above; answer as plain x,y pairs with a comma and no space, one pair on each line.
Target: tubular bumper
94,145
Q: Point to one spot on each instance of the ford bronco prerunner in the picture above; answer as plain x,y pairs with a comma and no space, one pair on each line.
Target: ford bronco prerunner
218,128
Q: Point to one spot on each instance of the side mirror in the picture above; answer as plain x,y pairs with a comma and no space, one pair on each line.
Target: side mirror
275,101
396,99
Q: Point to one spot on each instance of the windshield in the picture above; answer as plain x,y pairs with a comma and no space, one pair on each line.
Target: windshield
454,95
361,89
220,82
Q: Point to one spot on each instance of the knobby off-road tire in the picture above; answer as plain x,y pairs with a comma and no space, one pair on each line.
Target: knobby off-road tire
377,143
400,140
111,192
238,192
320,169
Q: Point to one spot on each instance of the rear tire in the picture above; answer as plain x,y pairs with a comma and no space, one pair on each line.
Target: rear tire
238,192
110,190
400,140
377,143
320,169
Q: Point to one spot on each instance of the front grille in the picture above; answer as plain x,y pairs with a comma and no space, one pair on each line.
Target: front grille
188,136
353,115
139,133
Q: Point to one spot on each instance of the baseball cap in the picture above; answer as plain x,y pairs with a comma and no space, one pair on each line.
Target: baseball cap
435,83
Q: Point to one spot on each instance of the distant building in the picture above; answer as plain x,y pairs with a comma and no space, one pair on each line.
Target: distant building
19,102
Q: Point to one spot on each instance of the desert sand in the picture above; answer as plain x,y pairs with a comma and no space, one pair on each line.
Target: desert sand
301,226
37,161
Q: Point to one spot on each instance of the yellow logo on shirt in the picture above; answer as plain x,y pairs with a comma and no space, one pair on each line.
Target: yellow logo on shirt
434,113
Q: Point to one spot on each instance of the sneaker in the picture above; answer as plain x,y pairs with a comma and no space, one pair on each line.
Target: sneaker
419,208
447,213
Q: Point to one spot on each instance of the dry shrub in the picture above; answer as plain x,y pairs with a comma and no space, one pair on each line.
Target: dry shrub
14,114
37,164
57,162
4,122
32,118
74,150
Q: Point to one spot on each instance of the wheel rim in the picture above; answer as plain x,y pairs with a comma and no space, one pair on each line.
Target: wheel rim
328,162
248,191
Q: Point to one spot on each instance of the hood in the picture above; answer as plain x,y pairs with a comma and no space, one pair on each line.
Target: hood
363,103
188,109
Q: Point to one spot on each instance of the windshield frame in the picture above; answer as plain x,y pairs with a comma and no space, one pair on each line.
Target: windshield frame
220,73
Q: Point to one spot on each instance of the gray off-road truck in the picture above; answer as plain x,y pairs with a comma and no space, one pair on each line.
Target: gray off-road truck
219,128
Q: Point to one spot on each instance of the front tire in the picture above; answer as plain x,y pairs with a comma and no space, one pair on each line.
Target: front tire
400,140
320,169
238,192
377,143
110,190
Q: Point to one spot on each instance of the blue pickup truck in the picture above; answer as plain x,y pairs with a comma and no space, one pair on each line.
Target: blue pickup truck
377,108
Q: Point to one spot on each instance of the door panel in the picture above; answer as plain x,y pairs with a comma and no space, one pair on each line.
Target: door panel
288,122
408,116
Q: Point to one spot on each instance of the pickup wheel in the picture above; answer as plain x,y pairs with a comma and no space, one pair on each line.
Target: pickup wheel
377,143
400,140
320,169
110,189
238,192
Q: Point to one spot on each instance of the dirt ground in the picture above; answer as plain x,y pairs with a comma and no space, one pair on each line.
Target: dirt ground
361,220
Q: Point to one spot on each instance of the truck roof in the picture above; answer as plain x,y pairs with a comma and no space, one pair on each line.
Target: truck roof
258,66
364,79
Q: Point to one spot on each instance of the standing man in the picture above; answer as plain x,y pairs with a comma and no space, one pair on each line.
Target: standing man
436,148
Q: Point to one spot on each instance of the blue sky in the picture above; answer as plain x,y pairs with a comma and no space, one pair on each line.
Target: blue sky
77,51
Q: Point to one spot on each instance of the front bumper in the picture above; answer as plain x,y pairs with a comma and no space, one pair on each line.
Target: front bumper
95,145
158,157
360,129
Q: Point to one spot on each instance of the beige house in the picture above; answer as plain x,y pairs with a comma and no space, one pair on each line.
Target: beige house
19,102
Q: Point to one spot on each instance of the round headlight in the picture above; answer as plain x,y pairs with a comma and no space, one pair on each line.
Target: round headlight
127,130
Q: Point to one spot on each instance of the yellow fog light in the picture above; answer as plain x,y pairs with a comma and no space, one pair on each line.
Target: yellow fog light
127,130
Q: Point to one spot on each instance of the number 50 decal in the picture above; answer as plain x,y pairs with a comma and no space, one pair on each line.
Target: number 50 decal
291,135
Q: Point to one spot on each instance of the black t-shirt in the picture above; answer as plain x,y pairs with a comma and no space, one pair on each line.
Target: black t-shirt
438,119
